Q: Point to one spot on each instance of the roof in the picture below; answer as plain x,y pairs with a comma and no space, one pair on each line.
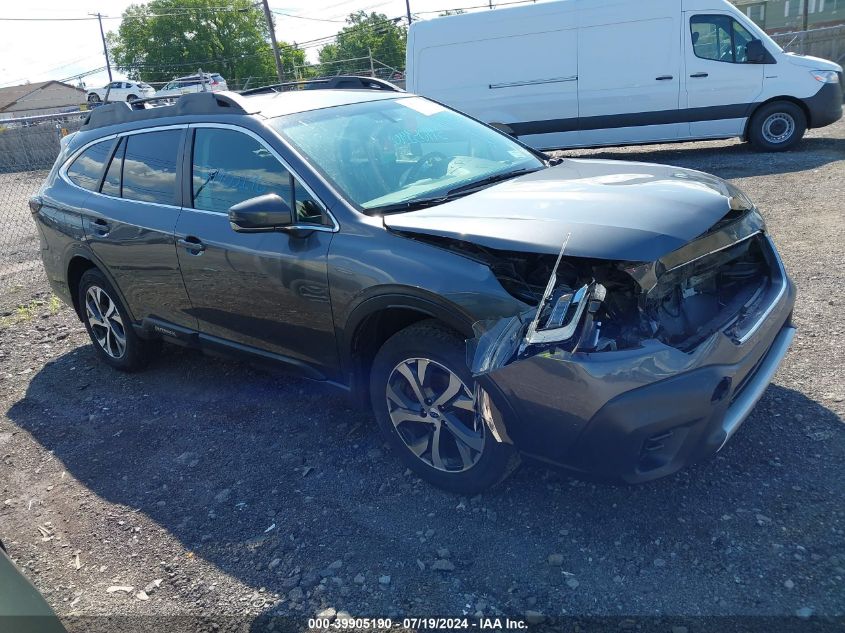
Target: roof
12,94
225,102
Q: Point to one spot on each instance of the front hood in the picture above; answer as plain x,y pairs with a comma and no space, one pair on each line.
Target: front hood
813,63
613,210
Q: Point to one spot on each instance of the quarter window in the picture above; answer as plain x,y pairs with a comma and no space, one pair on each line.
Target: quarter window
87,169
719,38
149,166
230,167
111,183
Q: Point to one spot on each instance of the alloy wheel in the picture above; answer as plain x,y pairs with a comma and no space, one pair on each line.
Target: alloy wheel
105,321
433,412
778,128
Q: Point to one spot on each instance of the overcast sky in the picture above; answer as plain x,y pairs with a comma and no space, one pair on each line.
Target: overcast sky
37,51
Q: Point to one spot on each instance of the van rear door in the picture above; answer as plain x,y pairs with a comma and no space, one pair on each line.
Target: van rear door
629,74
721,85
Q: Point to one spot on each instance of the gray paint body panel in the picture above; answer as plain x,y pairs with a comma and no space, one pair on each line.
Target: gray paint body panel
614,210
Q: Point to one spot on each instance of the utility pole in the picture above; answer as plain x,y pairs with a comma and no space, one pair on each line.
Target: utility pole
105,48
408,9
279,69
805,14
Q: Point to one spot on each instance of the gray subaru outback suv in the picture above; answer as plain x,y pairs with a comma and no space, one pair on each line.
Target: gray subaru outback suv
617,319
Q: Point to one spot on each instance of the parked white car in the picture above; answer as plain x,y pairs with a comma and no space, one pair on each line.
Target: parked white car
121,91
193,83
578,73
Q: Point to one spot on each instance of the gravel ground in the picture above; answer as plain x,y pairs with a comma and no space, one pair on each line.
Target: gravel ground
219,488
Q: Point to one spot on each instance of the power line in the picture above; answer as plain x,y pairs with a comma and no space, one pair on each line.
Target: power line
187,11
478,6
305,17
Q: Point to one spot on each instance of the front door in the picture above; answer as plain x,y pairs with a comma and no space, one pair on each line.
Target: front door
264,291
721,85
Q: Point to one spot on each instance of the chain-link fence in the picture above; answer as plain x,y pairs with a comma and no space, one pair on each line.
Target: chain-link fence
28,147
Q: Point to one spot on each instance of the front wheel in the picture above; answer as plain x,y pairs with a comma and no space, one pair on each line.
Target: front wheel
422,393
777,126
132,98
93,98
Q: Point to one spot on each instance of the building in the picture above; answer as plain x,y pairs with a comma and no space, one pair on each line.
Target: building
43,97
781,16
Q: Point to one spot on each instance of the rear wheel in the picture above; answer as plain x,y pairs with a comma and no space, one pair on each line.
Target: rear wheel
423,396
132,98
777,126
109,325
93,98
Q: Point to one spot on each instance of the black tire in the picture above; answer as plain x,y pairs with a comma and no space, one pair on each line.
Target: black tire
93,98
777,126
135,351
132,98
443,352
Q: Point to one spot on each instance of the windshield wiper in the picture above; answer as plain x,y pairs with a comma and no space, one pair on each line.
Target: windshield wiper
489,180
409,205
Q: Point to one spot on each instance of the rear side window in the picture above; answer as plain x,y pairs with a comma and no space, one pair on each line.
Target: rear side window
87,169
149,166
230,167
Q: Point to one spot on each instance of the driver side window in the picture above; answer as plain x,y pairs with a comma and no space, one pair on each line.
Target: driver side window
230,167
719,38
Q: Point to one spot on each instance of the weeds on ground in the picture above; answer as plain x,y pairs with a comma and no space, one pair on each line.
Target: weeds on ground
27,311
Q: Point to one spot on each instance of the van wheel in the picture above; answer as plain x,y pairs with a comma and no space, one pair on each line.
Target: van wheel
422,393
777,126
108,324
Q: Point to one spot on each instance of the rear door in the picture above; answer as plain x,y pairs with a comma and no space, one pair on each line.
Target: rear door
129,223
262,291
629,74
721,85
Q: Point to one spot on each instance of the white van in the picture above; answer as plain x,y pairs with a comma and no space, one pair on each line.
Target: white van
578,73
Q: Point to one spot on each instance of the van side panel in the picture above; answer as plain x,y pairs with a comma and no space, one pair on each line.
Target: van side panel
500,67
628,68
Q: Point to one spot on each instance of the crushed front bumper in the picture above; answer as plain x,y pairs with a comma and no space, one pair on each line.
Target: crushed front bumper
640,414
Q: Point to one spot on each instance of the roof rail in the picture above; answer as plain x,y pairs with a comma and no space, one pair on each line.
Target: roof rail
193,103
327,83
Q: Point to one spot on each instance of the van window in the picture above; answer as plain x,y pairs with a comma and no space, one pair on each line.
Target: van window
719,38
87,169
149,166
111,183
230,167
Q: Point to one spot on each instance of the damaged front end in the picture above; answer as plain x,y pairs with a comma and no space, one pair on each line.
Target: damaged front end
722,281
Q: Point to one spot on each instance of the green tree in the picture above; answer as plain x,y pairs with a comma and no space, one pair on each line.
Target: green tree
374,32
167,38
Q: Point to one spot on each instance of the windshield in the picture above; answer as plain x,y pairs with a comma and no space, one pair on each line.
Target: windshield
398,152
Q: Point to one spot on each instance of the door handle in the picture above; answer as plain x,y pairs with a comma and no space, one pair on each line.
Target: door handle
664,77
101,227
192,244
700,75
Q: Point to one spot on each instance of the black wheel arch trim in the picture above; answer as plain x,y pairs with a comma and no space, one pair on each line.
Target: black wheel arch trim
395,297
79,251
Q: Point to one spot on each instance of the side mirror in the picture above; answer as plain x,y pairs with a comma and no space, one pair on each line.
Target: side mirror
756,53
262,213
